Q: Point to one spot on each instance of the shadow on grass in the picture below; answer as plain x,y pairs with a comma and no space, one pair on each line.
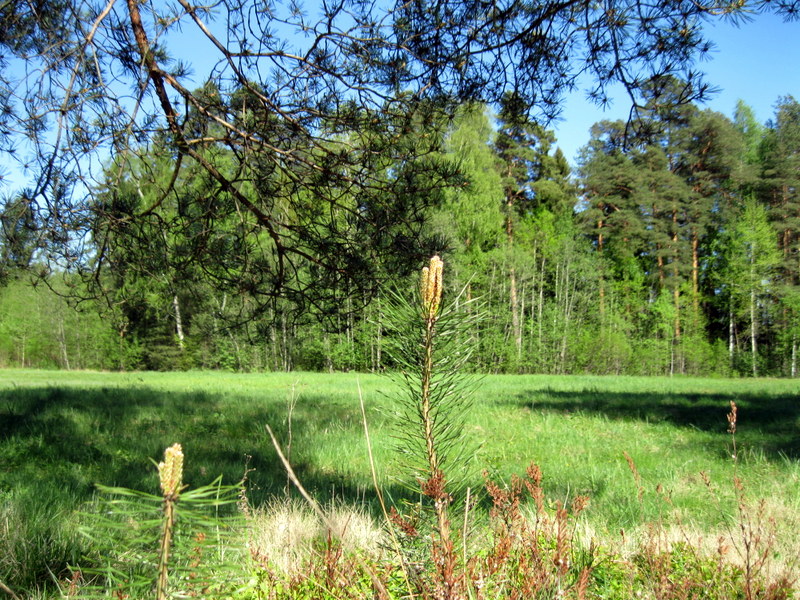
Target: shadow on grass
768,422
57,443
74,438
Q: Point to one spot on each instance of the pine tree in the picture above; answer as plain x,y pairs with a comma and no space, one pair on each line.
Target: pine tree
708,162
534,181
780,154
19,239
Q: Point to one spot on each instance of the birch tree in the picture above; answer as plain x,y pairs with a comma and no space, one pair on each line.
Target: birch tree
752,259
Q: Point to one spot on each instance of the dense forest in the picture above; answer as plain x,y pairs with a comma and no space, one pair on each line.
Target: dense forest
673,248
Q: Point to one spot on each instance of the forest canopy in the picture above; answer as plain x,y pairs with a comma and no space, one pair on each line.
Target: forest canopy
670,252
232,172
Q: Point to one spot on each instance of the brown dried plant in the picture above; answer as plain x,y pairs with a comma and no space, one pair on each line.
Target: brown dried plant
531,555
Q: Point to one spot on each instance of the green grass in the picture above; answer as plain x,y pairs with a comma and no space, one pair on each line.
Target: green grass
63,432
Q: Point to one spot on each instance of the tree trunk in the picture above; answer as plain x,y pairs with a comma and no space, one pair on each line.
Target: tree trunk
273,338
326,345
602,291
532,318
285,354
676,294
512,280
794,357
62,342
237,349
555,324
695,277
521,326
731,333
753,348
178,321
540,311
568,302
379,341
122,330
515,320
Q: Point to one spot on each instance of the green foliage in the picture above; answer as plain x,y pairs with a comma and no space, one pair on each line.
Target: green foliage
325,173
38,327
19,239
38,532
434,393
752,255
752,259
63,432
470,214
640,271
124,528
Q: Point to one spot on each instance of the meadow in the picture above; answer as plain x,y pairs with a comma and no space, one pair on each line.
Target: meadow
644,450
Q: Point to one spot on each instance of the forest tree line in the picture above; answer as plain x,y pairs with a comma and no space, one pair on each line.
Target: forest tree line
673,248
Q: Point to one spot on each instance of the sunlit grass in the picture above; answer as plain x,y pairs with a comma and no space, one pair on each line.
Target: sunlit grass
63,432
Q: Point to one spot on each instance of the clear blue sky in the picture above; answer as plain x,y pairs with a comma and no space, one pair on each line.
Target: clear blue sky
758,62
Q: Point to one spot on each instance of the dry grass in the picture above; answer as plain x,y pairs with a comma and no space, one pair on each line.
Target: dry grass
287,533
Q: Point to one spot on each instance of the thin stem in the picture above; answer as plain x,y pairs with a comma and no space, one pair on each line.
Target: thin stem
427,421
7,590
377,488
166,543
435,486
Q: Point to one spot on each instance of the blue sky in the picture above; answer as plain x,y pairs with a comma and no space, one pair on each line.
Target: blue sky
758,62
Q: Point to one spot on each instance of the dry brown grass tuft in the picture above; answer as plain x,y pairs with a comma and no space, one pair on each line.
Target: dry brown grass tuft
287,533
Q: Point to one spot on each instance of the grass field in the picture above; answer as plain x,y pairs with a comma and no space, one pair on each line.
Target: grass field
63,432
